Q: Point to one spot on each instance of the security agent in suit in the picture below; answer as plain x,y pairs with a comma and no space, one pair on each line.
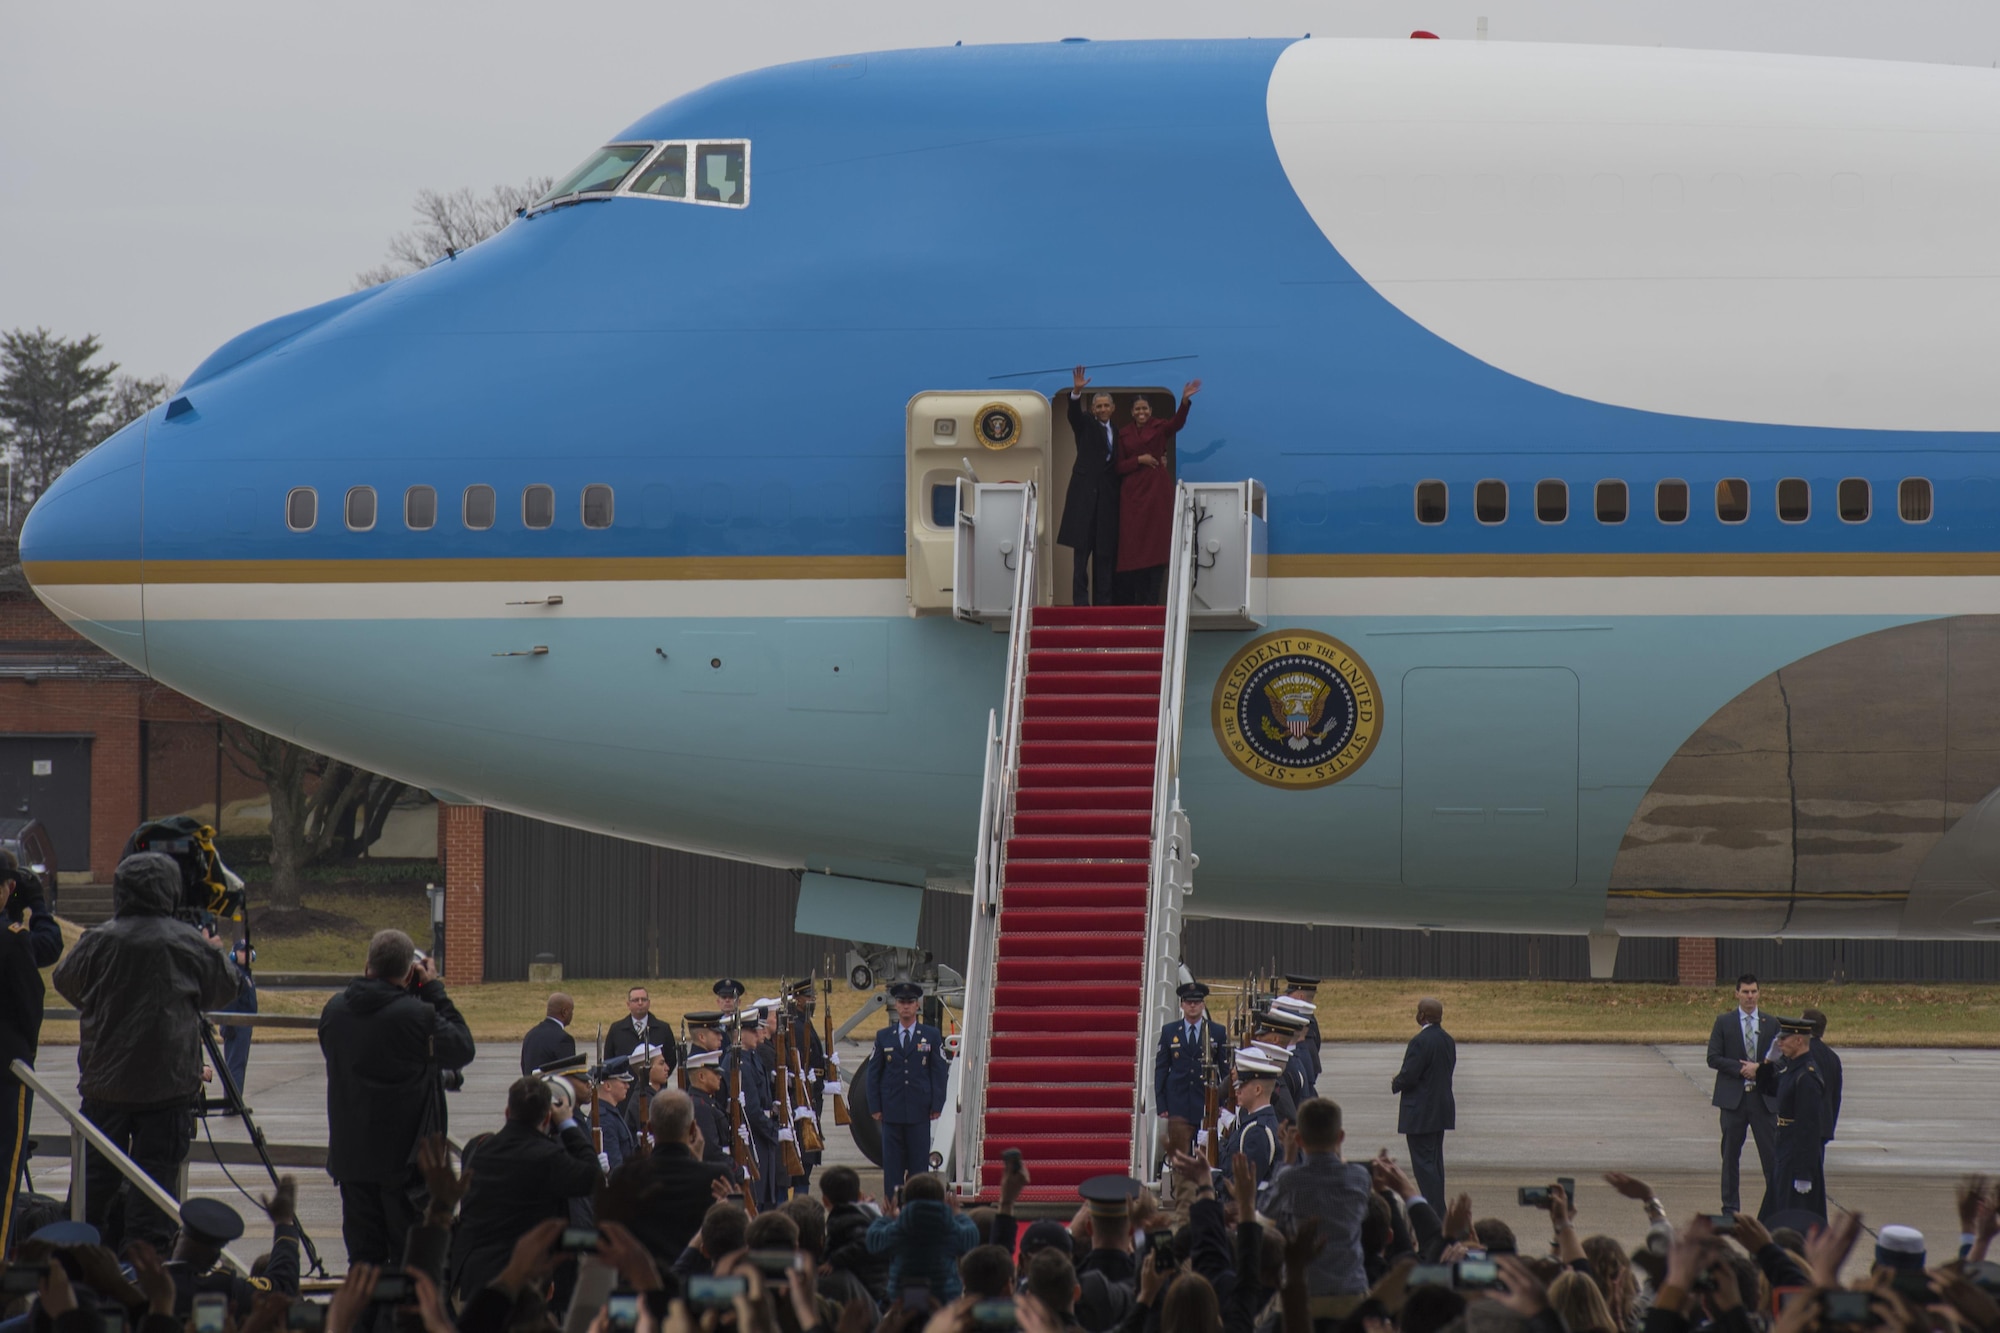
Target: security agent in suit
209,1224
1255,1130
1828,1064
548,1042
906,1086
640,1028
1181,1065
1090,505
1428,1109
1737,1043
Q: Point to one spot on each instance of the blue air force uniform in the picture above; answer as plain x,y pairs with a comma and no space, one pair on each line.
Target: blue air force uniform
1300,990
1179,1064
1805,1119
906,1090
1255,1133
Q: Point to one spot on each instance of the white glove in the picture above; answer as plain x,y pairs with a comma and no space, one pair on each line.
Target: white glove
785,1136
604,1162
1201,1139
836,1087
1223,1120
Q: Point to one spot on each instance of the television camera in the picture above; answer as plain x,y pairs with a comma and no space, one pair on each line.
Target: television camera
210,890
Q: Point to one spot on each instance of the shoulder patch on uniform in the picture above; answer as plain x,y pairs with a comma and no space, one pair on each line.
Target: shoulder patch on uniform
259,1283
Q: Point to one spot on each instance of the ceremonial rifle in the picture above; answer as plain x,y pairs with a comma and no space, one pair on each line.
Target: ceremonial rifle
833,1083
804,1118
596,1102
1211,1092
739,1131
788,1146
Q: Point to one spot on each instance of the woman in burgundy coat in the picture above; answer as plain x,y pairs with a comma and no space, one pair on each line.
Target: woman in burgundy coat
1146,498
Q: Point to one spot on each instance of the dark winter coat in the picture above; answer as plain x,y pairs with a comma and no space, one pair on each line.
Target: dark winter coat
384,1048
25,948
140,982
1146,494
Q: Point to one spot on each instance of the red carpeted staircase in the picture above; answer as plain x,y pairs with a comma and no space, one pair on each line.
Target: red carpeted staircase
1072,934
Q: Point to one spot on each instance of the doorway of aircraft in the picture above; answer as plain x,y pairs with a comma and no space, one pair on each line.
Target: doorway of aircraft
967,434
1063,459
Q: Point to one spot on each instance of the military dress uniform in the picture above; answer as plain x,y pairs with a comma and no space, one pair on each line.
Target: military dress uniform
212,1222
1181,1065
769,1189
812,1066
1805,1118
711,1112
1255,1133
907,1076
1298,998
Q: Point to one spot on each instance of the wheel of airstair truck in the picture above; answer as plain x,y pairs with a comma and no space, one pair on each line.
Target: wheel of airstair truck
861,1116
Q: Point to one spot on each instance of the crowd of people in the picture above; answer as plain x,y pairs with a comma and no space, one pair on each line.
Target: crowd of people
537,1226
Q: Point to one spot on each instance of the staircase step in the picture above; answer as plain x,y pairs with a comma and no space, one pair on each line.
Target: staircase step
1072,1146
1071,996
1086,798
1035,1044
1039,753
1030,894
1077,872
1127,683
1063,660
1064,1100
1087,775
1156,616
1103,1120
1092,705
1051,1071
1079,847
1064,968
1092,636
1084,945
1056,1180
1133,730
1070,920
1079,823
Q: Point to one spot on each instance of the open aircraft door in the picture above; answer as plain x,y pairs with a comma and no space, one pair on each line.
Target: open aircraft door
975,435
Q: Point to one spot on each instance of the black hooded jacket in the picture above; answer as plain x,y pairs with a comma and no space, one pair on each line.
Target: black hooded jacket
140,982
384,1048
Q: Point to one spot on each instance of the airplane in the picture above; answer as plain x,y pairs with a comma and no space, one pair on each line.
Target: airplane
1623,418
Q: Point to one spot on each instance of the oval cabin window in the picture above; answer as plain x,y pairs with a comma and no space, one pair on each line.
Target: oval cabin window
1433,501
479,507
301,508
360,508
1794,500
420,508
1913,500
1489,502
597,506
538,506
1613,502
1732,499
1852,499
1670,501
1552,501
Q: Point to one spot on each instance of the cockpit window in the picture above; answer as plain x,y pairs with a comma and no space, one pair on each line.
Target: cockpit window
719,175
600,173
665,177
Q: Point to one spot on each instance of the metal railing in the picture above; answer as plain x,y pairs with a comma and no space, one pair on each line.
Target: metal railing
82,1132
996,824
1172,865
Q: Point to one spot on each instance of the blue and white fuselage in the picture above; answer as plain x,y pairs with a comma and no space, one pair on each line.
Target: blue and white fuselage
1770,281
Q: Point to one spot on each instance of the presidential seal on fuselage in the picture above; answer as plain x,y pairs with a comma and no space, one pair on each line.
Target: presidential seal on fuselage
1297,709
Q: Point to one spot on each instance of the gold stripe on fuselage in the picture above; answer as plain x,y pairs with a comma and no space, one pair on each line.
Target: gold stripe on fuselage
629,569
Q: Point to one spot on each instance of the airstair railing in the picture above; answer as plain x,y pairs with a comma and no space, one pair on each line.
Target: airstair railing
82,1132
1172,864
996,824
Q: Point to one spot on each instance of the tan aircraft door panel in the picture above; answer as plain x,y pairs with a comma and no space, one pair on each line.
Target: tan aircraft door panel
983,434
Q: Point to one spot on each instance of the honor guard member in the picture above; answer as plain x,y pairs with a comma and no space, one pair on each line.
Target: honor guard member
1182,1063
209,1224
1278,1056
614,1087
1305,990
1283,1029
755,1083
728,995
1798,1165
812,1067
1255,1133
711,1114
1308,1043
906,1084
1829,1068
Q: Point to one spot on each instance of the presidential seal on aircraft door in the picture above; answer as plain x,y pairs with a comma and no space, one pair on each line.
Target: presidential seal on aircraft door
1297,709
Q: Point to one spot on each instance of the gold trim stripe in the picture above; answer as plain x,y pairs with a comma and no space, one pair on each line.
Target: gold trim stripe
1765,895
1670,565
588,569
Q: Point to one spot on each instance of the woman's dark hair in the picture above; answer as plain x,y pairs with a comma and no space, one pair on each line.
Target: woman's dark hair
1375,1226
1428,1309
1190,1306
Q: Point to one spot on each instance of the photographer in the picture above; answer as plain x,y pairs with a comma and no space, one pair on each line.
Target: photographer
141,983
30,943
521,1176
387,1039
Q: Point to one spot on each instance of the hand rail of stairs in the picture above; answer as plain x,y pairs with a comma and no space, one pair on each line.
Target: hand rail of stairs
81,1131
996,820
1172,859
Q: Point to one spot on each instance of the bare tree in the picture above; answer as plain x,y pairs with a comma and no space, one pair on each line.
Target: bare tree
321,808
451,222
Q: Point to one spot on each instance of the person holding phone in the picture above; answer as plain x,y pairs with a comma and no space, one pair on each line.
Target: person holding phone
906,1087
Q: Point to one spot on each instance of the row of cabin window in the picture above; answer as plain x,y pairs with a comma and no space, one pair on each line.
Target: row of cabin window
479,507
1853,501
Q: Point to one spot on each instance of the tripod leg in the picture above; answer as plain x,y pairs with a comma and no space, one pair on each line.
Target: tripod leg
233,1097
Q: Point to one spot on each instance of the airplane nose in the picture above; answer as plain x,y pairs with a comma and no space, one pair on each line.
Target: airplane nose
80,545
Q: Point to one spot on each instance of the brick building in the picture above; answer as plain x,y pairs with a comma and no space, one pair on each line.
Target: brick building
90,746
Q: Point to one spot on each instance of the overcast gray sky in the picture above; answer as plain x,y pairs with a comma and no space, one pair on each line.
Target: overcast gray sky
171,174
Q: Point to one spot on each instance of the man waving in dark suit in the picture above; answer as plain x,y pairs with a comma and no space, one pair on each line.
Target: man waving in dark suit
1090,505
1736,1046
1427,1109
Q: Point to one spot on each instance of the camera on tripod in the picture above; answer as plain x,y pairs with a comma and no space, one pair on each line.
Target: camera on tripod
209,889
